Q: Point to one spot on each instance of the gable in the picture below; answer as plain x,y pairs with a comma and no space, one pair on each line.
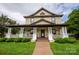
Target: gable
45,11
41,22
42,13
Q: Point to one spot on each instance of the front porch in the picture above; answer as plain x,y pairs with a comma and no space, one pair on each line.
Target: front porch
35,32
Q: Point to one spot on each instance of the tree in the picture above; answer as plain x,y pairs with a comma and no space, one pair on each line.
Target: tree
73,22
4,20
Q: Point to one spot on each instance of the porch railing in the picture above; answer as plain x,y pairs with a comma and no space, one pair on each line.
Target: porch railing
17,36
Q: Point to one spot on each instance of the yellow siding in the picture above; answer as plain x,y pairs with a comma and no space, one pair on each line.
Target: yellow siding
58,20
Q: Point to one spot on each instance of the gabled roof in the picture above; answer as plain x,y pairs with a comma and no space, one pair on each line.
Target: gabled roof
42,20
53,14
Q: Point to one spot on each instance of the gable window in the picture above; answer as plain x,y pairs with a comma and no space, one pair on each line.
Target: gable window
53,20
42,13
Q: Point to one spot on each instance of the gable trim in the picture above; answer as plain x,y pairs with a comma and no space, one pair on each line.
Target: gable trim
32,15
40,21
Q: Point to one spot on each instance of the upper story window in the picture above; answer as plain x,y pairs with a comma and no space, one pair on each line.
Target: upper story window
32,20
42,13
53,20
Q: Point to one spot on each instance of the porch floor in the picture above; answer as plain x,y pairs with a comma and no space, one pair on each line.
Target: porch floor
42,47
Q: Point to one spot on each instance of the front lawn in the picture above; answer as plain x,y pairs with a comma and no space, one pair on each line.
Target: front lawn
65,48
16,48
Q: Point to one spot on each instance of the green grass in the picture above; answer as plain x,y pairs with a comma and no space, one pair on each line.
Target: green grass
65,48
16,48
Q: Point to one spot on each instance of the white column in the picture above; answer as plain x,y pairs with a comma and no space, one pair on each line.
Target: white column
64,32
9,33
50,35
21,32
34,34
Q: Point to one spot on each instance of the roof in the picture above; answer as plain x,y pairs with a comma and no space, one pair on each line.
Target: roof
53,14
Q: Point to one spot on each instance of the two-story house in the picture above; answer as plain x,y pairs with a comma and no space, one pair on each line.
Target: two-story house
43,24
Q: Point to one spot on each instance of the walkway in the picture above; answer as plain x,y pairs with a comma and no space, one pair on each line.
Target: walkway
42,47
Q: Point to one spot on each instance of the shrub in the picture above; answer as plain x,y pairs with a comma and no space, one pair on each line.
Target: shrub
18,39
66,40
26,40
60,40
15,39
2,39
71,40
9,40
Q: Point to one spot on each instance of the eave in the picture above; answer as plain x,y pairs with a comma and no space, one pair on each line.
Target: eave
48,25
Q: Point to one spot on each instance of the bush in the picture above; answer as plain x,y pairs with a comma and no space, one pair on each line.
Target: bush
66,40
15,39
71,40
60,40
2,39
18,39
26,40
9,40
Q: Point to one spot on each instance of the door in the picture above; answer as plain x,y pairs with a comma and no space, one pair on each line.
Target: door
42,33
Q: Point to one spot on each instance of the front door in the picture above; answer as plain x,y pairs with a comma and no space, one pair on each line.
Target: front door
42,33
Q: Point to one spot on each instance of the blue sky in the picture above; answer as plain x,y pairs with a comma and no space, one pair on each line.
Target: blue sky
16,11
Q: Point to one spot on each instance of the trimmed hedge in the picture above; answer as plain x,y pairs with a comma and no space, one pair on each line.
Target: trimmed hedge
60,40
15,39
65,40
2,39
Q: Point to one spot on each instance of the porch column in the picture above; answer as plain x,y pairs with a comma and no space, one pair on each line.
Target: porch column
21,32
9,33
50,35
64,32
34,34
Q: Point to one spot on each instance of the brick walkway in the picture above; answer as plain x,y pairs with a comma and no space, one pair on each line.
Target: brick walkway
42,47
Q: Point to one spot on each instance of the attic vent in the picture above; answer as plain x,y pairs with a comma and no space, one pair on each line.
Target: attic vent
42,13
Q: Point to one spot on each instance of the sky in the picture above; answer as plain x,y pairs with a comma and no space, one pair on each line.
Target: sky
16,11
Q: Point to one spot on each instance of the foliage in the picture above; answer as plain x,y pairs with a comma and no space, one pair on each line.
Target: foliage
15,30
60,40
3,30
2,39
73,22
16,48
4,20
65,40
15,39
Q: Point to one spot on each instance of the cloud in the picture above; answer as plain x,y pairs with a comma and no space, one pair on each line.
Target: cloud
17,10
12,15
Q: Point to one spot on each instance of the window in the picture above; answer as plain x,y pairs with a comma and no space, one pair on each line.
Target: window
53,20
42,13
32,20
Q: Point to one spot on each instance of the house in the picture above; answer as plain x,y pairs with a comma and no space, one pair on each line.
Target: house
41,24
